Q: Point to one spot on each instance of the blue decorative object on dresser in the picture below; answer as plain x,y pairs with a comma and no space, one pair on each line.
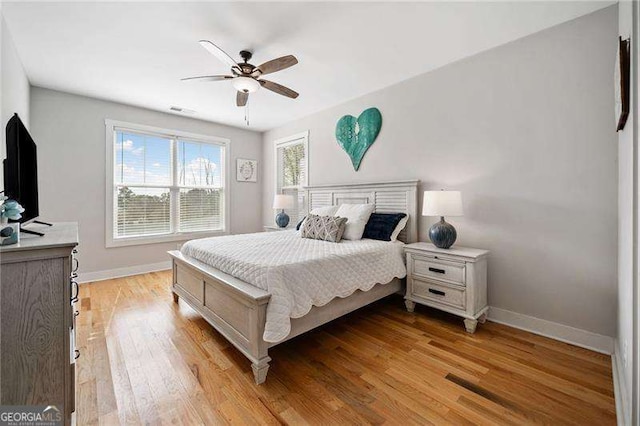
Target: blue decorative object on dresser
9,232
281,202
442,203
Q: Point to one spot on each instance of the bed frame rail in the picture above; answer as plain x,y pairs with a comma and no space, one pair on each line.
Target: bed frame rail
234,308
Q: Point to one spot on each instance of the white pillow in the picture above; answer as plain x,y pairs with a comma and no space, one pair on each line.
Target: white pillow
358,215
399,227
320,211
325,211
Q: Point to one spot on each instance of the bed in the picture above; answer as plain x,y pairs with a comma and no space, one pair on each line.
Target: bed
259,290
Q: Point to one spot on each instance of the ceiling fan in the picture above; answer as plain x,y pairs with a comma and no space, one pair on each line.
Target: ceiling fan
246,77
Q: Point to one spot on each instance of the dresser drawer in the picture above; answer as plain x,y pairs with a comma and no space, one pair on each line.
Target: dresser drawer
438,293
453,272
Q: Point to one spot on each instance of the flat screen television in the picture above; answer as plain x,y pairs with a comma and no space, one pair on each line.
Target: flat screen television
20,169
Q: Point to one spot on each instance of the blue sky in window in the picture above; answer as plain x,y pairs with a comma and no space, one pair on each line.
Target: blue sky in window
198,164
143,159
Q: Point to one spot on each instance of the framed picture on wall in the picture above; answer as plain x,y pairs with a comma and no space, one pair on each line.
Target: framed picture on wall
623,82
246,170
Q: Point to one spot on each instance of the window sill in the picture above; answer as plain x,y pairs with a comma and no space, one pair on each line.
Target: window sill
137,241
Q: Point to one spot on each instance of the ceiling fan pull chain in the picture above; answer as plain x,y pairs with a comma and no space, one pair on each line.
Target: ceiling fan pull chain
246,114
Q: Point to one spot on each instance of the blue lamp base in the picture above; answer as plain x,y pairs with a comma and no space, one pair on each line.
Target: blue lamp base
282,219
442,234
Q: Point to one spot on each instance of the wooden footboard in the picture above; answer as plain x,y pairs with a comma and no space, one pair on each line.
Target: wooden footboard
234,308
238,310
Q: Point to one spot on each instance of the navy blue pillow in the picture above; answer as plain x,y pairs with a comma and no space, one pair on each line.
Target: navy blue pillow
381,225
300,223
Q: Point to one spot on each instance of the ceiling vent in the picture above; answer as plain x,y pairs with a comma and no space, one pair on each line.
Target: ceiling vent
181,110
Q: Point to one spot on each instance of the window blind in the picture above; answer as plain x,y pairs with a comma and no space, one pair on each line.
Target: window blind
143,211
292,175
166,185
200,209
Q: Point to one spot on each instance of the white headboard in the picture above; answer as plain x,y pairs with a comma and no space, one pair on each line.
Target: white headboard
389,197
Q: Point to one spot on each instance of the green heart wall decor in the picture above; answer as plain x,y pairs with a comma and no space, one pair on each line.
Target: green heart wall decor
355,136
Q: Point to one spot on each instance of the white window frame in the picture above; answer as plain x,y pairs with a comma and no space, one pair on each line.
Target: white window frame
111,241
284,142
303,138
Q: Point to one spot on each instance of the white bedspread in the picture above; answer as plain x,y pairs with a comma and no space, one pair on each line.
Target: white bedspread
299,273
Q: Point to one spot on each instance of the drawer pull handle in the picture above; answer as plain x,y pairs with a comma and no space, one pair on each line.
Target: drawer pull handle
438,292
75,290
76,313
77,355
436,270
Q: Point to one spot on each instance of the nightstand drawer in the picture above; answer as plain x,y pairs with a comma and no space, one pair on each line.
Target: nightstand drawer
439,293
447,271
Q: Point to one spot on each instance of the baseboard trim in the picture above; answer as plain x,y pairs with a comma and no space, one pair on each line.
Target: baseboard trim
619,388
564,333
87,277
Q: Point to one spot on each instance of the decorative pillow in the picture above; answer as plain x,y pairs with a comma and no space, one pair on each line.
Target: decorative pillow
327,228
381,225
358,215
319,211
401,225
325,211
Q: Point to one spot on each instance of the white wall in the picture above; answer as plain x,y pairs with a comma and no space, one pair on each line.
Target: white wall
14,88
70,133
626,152
526,132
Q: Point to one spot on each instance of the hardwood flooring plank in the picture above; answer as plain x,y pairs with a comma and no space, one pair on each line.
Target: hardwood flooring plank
104,382
87,402
125,400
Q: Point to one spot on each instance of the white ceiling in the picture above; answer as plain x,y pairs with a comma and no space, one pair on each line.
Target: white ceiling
136,53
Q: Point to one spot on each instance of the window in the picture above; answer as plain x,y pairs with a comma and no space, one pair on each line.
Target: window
163,185
292,171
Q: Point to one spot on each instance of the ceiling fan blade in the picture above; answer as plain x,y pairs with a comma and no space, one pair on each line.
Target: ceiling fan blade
219,53
208,78
242,98
277,64
278,88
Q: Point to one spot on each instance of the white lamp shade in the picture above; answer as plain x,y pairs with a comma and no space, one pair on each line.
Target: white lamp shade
281,201
442,203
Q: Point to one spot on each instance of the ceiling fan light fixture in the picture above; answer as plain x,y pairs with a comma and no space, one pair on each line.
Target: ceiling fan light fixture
245,84
244,76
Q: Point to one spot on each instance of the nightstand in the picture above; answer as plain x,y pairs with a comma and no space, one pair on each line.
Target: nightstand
272,228
452,280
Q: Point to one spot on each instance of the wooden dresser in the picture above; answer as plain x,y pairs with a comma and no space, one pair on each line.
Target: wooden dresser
37,314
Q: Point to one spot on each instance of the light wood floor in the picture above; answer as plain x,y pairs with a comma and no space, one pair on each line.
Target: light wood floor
147,360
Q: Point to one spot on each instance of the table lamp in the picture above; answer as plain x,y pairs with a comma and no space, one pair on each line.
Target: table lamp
281,202
442,203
